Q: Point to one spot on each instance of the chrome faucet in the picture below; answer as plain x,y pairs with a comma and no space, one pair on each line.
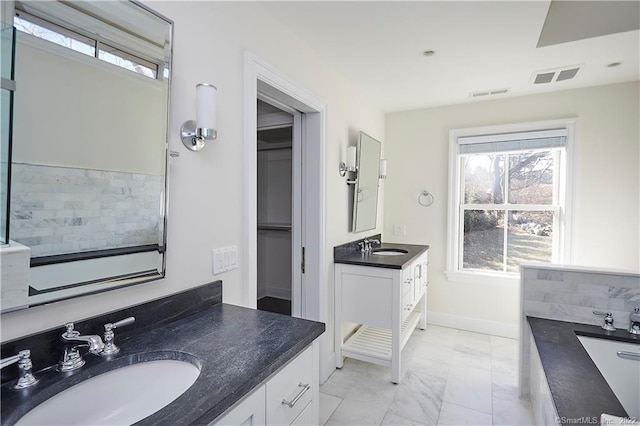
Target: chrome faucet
71,358
110,347
365,245
608,320
634,321
23,359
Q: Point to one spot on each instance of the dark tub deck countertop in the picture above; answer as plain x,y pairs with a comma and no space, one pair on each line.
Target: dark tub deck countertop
578,388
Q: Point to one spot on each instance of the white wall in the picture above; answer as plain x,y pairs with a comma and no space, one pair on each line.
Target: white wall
206,199
606,218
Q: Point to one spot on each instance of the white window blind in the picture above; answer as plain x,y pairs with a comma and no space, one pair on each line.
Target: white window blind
511,142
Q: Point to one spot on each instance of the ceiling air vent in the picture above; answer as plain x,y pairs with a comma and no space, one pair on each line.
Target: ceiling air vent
488,93
559,74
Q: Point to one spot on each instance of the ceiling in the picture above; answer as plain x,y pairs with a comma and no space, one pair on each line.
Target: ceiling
480,46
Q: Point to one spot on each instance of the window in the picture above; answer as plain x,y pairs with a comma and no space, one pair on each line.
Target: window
508,198
59,35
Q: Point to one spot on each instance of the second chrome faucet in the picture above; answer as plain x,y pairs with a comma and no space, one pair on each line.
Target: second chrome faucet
72,342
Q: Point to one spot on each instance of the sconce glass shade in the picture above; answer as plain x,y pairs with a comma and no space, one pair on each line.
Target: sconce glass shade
351,157
195,132
382,170
206,95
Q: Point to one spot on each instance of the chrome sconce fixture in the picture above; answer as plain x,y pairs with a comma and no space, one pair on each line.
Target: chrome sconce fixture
382,170
350,165
194,133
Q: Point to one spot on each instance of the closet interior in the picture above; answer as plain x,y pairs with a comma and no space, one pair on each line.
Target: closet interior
274,163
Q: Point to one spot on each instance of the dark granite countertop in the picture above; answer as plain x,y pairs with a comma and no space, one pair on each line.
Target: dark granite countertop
352,257
236,348
578,388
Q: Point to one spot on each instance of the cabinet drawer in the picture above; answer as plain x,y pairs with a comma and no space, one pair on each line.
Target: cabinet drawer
249,412
292,384
305,418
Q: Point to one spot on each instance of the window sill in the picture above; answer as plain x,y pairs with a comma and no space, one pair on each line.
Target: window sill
483,278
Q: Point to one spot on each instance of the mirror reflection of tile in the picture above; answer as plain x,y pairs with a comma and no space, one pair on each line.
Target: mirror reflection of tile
58,210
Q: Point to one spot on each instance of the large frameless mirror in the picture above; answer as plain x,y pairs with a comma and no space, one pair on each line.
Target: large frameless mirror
365,195
89,146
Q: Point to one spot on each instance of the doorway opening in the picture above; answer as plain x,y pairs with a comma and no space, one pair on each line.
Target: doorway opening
309,299
276,275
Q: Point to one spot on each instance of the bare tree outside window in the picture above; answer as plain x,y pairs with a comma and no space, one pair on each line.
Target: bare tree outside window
508,209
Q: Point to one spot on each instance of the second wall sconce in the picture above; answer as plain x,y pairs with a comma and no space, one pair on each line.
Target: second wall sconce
350,165
194,133
382,170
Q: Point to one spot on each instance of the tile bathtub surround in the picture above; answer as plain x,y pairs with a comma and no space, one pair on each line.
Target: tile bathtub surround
46,347
570,294
57,210
451,377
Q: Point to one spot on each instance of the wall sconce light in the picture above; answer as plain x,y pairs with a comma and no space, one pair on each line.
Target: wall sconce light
382,170
350,165
194,133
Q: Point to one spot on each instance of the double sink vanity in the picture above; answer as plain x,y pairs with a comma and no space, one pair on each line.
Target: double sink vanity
383,289
187,359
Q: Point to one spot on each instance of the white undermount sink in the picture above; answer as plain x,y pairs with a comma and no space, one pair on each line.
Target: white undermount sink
122,396
389,252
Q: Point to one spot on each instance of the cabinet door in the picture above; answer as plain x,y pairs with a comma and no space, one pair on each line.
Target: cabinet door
249,412
305,418
289,391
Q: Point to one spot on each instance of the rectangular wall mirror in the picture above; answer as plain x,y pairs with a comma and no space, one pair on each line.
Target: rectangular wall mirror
89,146
365,194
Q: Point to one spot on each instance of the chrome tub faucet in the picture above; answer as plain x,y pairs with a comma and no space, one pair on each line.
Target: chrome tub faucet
634,321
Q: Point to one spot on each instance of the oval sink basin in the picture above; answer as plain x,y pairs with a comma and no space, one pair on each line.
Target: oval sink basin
122,396
390,252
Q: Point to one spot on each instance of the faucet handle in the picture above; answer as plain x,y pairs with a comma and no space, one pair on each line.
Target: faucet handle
25,366
71,332
608,320
110,348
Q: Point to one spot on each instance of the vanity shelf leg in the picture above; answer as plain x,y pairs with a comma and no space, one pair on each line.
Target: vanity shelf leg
337,329
396,332
423,314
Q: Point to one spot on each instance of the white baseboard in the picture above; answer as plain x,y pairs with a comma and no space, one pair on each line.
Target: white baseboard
494,328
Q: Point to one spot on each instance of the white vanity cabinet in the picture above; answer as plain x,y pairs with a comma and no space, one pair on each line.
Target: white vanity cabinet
291,396
388,303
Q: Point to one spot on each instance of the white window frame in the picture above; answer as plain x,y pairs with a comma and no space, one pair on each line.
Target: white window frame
562,249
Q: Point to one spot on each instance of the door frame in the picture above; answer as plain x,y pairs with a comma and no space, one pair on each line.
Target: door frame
262,78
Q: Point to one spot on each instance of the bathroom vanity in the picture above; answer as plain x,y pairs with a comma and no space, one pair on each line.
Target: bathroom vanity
253,365
385,291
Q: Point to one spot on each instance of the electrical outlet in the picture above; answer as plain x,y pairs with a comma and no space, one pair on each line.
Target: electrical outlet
399,229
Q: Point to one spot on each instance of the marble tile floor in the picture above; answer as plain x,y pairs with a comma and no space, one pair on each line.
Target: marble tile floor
450,377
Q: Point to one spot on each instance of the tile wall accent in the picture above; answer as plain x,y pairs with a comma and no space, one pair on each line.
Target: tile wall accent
570,294
57,210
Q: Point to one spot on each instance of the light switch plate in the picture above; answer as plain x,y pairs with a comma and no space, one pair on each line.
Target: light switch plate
224,259
399,229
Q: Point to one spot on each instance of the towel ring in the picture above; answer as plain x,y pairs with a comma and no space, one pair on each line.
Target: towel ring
425,199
